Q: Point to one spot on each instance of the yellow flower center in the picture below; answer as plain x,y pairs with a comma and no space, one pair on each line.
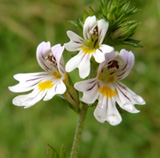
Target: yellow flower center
106,78
107,91
45,85
56,74
87,50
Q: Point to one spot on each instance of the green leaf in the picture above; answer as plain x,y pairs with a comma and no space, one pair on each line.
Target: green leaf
62,152
54,152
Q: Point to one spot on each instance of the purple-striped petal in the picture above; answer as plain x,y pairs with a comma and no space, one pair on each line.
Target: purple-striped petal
28,81
42,53
57,51
75,43
108,58
89,89
127,98
102,29
128,59
106,111
58,88
30,99
89,24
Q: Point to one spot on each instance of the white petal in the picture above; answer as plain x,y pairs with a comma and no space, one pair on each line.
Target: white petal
136,99
102,29
106,111
108,57
126,98
42,52
28,81
100,112
75,43
58,88
74,62
128,58
57,51
84,66
89,23
99,56
106,48
30,99
89,89
130,108
22,77
113,117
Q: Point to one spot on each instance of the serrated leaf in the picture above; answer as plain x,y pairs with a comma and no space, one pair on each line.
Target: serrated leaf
77,23
132,42
85,15
91,11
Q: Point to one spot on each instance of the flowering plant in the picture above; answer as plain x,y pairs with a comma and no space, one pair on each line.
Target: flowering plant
97,59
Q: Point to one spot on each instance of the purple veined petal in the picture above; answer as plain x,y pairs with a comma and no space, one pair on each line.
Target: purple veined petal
43,49
61,68
85,85
89,23
89,89
22,77
108,58
57,51
136,98
128,58
28,81
84,66
30,99
58,88
106,111
74,62
75,43
102,29
126,100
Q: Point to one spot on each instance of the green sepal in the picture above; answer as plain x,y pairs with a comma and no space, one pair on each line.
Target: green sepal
71,95
125,30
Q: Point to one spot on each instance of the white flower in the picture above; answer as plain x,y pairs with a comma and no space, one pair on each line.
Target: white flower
44,84
108,90
94,32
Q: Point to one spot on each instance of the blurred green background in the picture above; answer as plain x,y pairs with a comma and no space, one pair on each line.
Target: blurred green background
25,133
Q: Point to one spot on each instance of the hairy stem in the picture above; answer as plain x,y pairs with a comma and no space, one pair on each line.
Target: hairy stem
78,133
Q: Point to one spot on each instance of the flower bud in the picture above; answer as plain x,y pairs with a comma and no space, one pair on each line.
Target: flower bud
125,30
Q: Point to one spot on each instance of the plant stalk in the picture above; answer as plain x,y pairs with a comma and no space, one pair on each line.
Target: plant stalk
78,133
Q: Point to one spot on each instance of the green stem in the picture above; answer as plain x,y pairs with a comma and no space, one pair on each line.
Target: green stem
78,133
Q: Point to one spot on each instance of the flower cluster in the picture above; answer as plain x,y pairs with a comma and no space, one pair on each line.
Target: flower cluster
106,87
